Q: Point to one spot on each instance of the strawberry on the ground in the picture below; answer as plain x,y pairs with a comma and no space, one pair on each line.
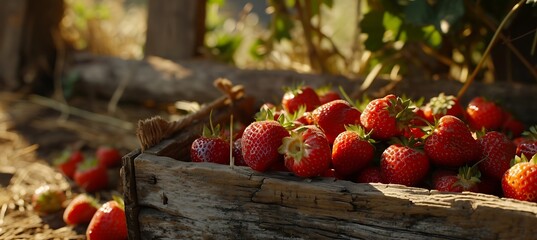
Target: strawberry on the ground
326,94
352,150
497,151
47,199
527,145
210,146
387,117
91,176
80,210
451,143
109,222
260,142
520,181
294,98
467,179
442,105
108,156
306,151
482,113
68,161
369,174
402,164
332,117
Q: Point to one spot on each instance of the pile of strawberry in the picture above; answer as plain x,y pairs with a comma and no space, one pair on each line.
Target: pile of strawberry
440,145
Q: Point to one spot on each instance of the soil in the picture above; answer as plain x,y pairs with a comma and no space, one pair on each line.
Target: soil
33,132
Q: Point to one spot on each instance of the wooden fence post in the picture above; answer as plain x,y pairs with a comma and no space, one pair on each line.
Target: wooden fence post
175,28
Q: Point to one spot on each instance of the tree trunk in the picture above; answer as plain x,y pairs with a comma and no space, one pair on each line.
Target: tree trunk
175,28
12,13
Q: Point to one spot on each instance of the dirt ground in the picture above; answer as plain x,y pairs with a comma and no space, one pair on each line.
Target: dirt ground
33,130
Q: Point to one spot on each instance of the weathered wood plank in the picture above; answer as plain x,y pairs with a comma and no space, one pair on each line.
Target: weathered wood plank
216,200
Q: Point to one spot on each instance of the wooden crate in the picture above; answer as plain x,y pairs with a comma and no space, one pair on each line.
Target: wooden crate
167,196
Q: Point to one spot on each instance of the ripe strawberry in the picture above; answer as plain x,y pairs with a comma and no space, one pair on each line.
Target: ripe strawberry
326,94
371,174
210,146
47,199
108,156
511,126
387,117
467,179
260,142
300,96
352,151
482,113
403,165
109,222
520,181
527,145
442,105
80,210
91,176
451,143
68,162
332,117
306,151
497,152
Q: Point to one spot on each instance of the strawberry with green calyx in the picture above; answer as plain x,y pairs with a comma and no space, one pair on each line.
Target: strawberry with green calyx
387,117
306,151
210,146
482,113
91,176
520,181
109,222
332,117
404,163
352,150
467,179
298,96
496,154
68,161
108,156
261,139
528,144
47,199
451,143
442,105
80,210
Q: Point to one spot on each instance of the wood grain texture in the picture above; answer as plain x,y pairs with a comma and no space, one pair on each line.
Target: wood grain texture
215,201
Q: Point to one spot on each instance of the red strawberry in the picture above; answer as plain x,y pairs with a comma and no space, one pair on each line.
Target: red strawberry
371,174
109,222
306,151
326,94
47,199
496,155
451,143
442,105
260,142
527,145
210,147
108,156
520,181
80,210
352,151
91,176
403,165
332,117
68,162
482,113
511,126
387,117
237,153
300,96
467,179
